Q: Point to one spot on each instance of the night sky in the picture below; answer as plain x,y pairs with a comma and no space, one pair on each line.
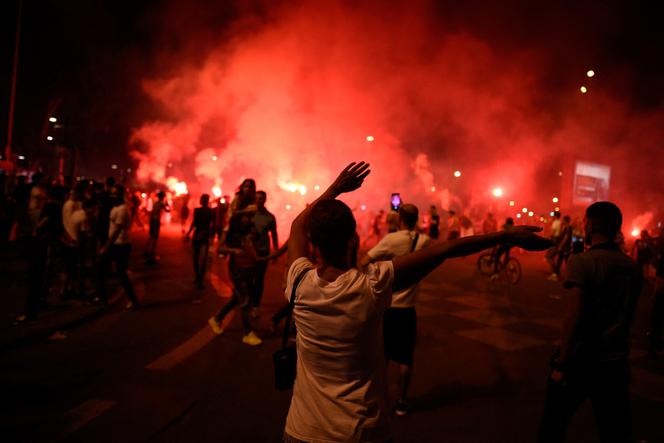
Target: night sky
84,61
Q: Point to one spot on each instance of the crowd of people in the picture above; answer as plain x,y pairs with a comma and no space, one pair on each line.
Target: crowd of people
352,313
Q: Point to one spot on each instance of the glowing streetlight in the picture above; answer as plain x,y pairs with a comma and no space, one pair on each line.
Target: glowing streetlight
518,216
143,195
531,213
590,73
497,192
288,207
53,119
316,188
49,138
583,89
554,199
551,213
524,210
635,232
114,166
557,209
370,138
21,157
457,174
512,203
363,207
215,158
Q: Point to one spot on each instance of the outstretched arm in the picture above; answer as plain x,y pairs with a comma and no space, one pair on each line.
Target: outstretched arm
348,180
410,269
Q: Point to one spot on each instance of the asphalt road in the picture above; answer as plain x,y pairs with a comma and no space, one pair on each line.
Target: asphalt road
159,373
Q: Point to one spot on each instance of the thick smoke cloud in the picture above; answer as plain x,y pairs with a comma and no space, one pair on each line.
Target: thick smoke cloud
289,95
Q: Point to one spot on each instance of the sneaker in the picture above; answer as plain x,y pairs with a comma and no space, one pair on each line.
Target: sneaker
216,327
553,277
401,408
251,339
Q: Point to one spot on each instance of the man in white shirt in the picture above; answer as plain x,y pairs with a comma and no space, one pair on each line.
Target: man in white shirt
340,393
400,321
117,249
73,218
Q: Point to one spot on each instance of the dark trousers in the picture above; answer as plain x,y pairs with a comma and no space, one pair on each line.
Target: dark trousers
244,282
261,269
200,256
37,250
607,387
120,255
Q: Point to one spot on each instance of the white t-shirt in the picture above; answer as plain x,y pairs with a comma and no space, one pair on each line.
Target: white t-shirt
555,228
340,393
68,209
119,219
397,244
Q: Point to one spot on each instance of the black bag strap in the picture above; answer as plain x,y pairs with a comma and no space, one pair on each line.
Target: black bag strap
291,303
417,236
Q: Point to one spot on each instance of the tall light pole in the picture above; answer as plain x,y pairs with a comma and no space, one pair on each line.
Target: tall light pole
12,99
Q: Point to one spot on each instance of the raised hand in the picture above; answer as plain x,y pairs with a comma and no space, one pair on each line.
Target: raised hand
525,237
350,178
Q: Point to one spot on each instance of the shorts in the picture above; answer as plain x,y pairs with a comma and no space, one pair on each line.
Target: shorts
155,225
400,333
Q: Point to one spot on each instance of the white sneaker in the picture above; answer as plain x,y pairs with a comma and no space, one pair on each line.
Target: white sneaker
216,327
251,339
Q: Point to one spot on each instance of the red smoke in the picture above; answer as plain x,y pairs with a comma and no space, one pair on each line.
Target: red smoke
292,96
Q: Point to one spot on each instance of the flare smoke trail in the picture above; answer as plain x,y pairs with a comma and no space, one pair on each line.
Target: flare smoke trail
289,94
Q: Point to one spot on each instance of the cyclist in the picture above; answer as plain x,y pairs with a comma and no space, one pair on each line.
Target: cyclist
502,249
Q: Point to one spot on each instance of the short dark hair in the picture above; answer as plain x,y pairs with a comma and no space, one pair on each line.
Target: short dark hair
161,194
205,199
605,217
331,228
408,214
263,193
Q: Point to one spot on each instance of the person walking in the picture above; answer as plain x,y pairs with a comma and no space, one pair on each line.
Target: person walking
117,249
266,234
201,226
240,244
155,226
400,319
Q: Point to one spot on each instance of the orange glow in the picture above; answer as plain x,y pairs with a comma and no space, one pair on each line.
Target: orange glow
518,216
635,232
497,192
370,138
524,210
363,207
554,199
531,213
433,189
583,89
512,203
293,187
288,207
316,188
590,73
216,191
176,186
457,174
215,158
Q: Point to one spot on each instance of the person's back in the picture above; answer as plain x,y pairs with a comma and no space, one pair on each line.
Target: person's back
340,384
611,286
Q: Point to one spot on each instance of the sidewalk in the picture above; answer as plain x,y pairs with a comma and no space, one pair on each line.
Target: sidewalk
50,323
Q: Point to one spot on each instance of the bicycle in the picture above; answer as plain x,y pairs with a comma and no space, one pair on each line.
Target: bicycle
509,267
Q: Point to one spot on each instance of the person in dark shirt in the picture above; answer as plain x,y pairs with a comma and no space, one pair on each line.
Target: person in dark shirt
201,226
266,233
434,223
592,361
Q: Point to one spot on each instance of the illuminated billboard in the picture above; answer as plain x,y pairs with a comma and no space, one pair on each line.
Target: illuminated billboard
591,183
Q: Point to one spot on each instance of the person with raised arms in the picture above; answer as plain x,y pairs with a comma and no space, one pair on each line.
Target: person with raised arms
340,391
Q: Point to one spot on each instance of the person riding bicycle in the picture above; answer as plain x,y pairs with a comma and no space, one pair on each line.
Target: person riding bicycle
502,249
